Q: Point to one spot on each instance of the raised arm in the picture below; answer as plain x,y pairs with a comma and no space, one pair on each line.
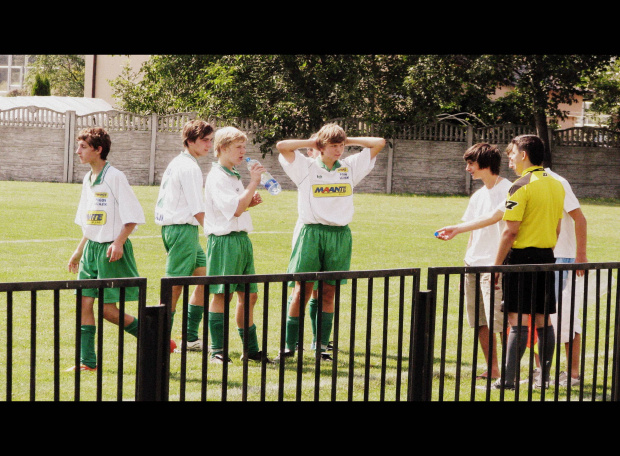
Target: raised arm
287,147
375,145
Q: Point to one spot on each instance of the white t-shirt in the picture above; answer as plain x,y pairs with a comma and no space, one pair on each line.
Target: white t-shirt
180,193
326,196
223,189
107,205
484,242
566,246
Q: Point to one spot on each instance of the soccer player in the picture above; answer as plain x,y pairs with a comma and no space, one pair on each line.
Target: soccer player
108,212
325,204
313,303
180,211
483,162
229,249
533,214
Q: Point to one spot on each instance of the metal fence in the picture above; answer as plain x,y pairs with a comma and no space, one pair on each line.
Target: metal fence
391,341
457,350
372,345
34,362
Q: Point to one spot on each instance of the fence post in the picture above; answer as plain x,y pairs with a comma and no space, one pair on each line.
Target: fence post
152,383
154,126
615,366
421,365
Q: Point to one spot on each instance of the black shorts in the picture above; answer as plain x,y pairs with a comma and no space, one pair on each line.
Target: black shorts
529,292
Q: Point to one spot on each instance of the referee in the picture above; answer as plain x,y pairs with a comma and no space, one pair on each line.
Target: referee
533,213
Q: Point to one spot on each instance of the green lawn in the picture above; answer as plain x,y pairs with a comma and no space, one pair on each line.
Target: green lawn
38,235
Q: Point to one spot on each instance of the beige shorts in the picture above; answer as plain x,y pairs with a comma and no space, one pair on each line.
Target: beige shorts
484,306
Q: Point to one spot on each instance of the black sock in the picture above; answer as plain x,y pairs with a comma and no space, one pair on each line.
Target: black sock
513,356
546,347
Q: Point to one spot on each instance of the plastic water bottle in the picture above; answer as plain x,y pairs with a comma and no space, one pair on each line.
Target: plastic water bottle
266,179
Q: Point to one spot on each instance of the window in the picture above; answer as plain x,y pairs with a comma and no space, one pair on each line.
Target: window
589,119
13,69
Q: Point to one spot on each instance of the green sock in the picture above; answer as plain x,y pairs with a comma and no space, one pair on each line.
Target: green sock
326,328
292,329
252,339
194,317
216,330
288,303
132,328
313,306
88,356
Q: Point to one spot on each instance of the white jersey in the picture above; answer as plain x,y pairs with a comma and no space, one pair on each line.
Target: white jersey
180,193
566,247
106,205
326,196
223,189
484,242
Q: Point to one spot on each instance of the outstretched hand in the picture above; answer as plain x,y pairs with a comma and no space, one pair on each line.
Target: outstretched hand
446,233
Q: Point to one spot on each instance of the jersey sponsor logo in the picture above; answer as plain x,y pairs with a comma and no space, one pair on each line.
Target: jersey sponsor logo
101,194
96,218
320,191
344,169
510,204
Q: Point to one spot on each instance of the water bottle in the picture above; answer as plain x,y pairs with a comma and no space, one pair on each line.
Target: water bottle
266,179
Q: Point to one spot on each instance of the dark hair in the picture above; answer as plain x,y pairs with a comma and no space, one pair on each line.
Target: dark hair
97,137
531,144
486,155
196,129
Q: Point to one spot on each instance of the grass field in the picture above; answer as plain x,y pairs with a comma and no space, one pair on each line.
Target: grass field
38,235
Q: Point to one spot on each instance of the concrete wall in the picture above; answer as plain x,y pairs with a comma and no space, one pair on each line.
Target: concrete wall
36,151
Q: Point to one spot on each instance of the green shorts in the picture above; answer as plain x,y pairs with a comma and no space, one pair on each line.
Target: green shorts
230,254
96,265
322,248
185,254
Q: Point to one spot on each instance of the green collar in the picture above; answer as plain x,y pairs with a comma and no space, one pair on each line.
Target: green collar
323,165
185,152
100,176
234,172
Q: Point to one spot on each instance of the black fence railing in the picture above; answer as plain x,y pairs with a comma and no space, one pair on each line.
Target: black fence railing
372,345
391,341
34,362
593,298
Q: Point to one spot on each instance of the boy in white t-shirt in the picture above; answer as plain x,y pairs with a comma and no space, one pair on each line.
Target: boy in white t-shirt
108,213
325,204
483,162
570,248
229,249
180,212
313,303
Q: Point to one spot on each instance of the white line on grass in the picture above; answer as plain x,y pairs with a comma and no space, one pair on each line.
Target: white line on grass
19,241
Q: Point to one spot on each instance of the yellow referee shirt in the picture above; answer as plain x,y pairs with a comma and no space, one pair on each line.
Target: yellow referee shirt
536,200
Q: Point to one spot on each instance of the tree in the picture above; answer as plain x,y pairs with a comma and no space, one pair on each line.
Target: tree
540,84
285,94
65,74
605,88
41,86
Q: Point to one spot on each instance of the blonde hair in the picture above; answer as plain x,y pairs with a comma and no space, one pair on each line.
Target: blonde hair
225,136
330,133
